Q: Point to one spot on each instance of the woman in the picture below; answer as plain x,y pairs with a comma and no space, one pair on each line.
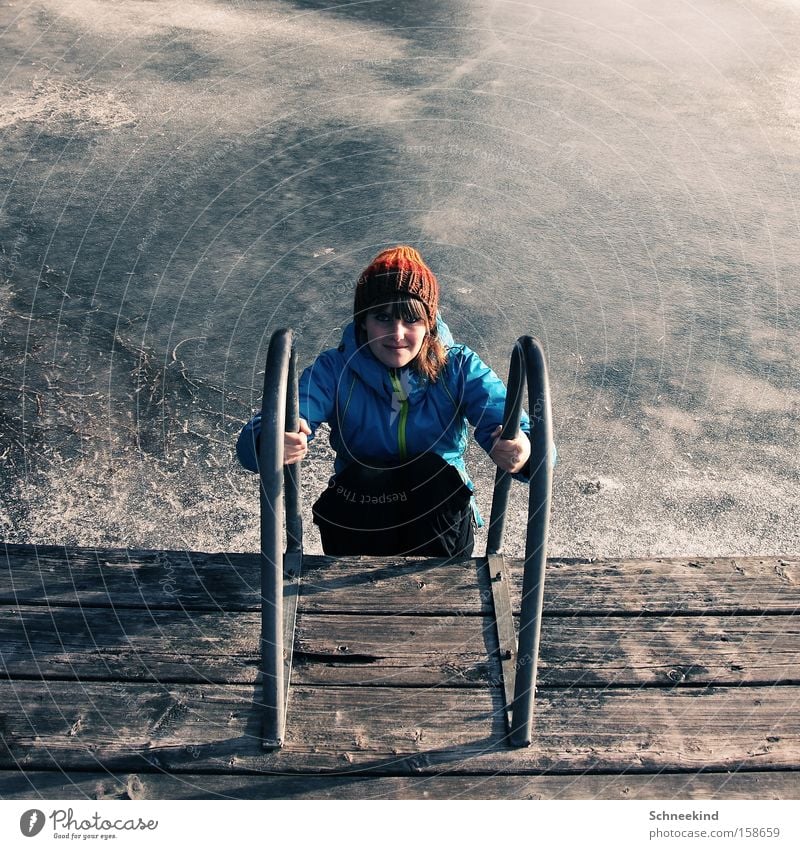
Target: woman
399,394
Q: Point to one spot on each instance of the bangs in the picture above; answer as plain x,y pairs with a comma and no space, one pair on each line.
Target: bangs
405,308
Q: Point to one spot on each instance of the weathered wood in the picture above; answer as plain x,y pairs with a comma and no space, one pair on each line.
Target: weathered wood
125,644
193,580
143,636
188,580
142,785
129,578
703,586
584,651
600,651
394,731
452,651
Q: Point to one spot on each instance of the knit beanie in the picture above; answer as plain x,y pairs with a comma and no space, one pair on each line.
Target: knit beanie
394,271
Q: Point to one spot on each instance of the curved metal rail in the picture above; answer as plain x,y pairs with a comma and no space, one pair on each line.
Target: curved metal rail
279,413
520,659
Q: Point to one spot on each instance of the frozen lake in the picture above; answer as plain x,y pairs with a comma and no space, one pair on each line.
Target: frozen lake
620,180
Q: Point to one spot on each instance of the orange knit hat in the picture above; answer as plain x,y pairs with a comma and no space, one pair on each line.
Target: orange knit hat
394,271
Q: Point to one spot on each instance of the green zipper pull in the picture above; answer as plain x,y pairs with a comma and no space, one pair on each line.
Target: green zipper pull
399,396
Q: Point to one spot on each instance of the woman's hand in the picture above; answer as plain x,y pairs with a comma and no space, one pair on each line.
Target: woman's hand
295,445
510,455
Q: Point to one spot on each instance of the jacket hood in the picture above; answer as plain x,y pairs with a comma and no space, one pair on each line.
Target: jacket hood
373,372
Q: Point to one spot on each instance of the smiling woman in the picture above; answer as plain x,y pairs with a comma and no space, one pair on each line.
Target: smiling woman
399,395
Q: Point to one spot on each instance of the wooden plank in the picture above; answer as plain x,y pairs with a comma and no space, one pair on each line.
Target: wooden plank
453,651
700,586
580,650
719,650
142,785
670,586
180,646
401,587
192,580
125,644
59,575
449,651
395,731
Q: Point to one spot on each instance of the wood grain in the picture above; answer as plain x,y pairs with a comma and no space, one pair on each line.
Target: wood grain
194,580
453,651
133,674
143,785
395,730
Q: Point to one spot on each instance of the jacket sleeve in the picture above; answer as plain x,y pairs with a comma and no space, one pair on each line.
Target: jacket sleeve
247,444
484,398
317,401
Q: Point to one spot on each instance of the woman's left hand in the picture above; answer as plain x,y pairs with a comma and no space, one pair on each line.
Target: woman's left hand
510,455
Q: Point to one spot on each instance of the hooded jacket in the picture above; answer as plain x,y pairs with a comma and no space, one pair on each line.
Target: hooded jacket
386,415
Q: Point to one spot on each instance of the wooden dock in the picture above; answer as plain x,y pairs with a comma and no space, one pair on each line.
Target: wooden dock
134,674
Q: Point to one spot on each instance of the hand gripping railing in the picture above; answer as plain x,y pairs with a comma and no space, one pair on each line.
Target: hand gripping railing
520,660
279,413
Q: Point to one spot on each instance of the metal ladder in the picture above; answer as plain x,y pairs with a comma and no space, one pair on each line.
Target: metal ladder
281,571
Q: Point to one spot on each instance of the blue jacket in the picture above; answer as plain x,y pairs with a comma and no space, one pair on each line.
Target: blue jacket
386,414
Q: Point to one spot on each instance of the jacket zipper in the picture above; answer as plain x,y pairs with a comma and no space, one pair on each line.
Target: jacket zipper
401,423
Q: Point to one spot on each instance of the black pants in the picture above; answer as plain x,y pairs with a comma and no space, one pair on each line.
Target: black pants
420,507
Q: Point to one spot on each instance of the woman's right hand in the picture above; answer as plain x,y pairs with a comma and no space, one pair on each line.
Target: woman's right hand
295,445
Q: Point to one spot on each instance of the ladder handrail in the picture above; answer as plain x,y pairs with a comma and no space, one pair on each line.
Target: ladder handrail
279,413
511,421
528,365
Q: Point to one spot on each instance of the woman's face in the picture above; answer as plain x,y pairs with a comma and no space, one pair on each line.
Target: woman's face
394,341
